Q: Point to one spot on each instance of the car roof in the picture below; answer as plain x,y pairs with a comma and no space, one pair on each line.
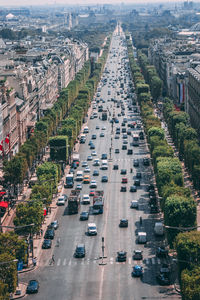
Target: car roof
91,225
85,195
80,245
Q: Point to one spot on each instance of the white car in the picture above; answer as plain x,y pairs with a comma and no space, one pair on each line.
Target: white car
61,201
86,199
96,162
92,229
94,153
87,170
84,164
103,128
79,187
134,204
89,157
93,184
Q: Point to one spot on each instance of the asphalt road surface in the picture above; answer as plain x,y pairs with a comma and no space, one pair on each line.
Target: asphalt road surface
71,278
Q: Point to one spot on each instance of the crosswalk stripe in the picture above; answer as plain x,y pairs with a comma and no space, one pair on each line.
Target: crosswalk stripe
111,260
158,260
129,260
58,262
64,262
70,262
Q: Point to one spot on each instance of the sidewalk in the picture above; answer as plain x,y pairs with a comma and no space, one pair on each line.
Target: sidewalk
20,291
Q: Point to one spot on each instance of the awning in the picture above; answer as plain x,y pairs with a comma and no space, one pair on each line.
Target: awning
3,204
2,193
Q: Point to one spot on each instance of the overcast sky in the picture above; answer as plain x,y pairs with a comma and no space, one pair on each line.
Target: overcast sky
82,2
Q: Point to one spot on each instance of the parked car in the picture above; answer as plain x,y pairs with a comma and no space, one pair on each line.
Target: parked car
61,201
46,244
133,189
54,224
49,234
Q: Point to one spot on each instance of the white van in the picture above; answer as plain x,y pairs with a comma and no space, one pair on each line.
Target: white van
142,237
159,229
79,176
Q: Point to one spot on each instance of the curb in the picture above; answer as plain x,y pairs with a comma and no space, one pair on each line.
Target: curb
23,295
27,270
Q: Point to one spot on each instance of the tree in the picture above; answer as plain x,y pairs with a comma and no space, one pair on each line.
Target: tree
179,211
4,294
173,189
156,131
59,148
26,214
156,87
8,271
15,169
10,243
190,288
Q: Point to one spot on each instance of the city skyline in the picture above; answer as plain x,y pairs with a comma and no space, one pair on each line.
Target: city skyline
80,2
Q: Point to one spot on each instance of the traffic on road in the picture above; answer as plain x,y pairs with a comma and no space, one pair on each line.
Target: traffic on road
109,227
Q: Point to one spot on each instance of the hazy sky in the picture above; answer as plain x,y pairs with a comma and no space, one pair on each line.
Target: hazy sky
82,2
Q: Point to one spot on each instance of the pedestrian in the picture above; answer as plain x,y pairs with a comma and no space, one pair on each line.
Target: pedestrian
34,261
53,259
41,231
140,220
50,210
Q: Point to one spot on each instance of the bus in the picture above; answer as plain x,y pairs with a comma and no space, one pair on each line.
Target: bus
135,139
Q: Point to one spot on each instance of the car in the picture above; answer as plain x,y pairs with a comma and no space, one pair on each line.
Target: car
115,167
49,234
116,121
104,178
137,182
79,251
124,147
54,224
95,173
91,194
92,147
72,171
93,184
162,252
134,204
32,287
92,229
84,164
61,201
94,136
104,156
123,124
96,162
137,271
94,153
91,117
103,128
79,187
102,134
121,256
146,161
138,175
136,163
90,143
133,189
84,215
89,158
150,187
116,150
129,152
124,180
87,170
85,199
137,255
123,189
123,172
123,223
46,244
163,279
116,137
154,209
97,127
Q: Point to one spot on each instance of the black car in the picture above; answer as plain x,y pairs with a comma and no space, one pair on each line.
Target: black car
94,137
49,234
137,255
104,156
115,167
124,147
96,173
162,252
138,175
79,251
123,223
154,209
54,225
84,216
129,152
123,189
133,189
137,182
33,287
150,187
46,244
163,279
136,163
104,178
121,256
146,162
123,171
116,150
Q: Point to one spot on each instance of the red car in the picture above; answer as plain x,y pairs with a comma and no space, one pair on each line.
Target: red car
124,180
91,193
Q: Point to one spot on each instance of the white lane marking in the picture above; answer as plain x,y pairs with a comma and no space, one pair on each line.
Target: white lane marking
129,260
64,262
111,260
58,262
70,262
75,263
153,260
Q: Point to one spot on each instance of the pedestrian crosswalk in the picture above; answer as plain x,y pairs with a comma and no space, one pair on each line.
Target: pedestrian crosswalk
111,261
